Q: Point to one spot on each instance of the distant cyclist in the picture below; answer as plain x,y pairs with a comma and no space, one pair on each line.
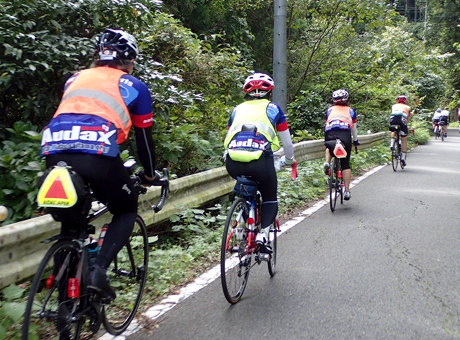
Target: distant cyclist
435,118
444,116
96,113
253,130
341,122
400,115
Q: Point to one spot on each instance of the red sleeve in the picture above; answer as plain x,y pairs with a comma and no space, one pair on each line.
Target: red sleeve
142,121
282,126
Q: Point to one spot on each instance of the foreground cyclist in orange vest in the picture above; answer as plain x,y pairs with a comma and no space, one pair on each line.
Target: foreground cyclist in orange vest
96,113
341,123
252,136
400,115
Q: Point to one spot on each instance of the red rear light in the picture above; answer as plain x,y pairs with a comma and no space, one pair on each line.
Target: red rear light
250,220
73,290
339,174
49,281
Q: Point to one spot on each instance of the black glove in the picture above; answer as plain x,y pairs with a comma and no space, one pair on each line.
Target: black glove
144,180
356,142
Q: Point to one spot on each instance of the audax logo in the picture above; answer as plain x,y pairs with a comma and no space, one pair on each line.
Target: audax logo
77,134
247,144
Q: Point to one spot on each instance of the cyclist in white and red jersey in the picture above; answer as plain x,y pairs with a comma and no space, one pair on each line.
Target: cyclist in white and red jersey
253,130
96,113
400,115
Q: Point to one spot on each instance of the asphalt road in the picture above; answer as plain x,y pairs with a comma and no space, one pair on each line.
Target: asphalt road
385,265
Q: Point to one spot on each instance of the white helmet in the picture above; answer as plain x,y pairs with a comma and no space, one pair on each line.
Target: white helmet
258,85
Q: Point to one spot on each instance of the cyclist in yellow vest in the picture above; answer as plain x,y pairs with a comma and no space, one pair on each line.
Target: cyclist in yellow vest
96,113
400,115
341,121
252,136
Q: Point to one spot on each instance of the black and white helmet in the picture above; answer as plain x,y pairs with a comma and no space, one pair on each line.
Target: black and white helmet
340,96
117,44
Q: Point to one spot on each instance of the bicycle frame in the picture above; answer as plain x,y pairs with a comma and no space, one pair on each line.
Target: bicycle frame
85,304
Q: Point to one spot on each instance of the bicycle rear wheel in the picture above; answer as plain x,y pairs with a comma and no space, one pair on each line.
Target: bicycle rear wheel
50,314
395,156
235,262
127,274
273,241
333,182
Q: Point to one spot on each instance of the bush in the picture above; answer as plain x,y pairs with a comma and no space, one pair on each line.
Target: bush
19,166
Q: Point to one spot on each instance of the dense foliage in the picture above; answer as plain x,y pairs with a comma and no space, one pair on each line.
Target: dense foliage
195,56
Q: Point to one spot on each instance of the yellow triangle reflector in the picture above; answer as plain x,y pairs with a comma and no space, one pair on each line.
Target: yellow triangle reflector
57,190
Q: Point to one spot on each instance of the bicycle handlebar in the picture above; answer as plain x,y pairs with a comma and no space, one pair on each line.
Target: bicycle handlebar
163,181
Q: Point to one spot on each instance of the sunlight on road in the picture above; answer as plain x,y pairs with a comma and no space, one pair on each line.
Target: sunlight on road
433,169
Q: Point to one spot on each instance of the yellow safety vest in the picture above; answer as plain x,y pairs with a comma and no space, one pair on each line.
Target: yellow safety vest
252,112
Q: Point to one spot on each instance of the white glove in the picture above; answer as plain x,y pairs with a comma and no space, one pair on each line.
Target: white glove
286,161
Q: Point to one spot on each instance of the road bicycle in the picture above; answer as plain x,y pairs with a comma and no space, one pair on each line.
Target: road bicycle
239,251
335,180
61,306
442,131
396,151
437,131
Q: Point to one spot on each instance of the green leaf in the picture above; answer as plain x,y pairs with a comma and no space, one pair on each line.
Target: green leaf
14,310
12,292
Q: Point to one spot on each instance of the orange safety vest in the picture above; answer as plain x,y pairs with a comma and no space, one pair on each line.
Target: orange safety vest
96,92
341,113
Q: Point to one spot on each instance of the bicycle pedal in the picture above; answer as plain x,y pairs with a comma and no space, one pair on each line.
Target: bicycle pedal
234,249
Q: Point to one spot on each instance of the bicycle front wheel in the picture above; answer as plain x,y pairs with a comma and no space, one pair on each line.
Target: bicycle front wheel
235,261
127,274
50,314
273,241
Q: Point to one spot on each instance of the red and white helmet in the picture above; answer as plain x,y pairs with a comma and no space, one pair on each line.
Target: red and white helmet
258,85
402,99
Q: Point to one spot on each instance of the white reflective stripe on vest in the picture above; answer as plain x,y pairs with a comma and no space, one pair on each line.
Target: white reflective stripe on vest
103,98
262,127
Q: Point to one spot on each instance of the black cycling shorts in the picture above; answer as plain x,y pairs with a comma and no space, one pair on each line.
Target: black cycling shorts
345,137
402,122
443,119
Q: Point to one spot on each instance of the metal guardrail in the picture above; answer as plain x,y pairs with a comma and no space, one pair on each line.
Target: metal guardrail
21,247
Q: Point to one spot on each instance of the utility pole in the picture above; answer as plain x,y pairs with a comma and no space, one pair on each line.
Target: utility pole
280,55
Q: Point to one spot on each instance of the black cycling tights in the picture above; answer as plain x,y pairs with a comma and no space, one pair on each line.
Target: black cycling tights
263,171
111,185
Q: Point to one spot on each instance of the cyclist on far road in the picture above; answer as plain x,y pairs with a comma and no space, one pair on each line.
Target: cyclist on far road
252,136
444,116
341,122
400,115
96,113
435,118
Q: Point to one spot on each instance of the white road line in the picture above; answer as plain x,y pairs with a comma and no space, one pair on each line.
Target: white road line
205,279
